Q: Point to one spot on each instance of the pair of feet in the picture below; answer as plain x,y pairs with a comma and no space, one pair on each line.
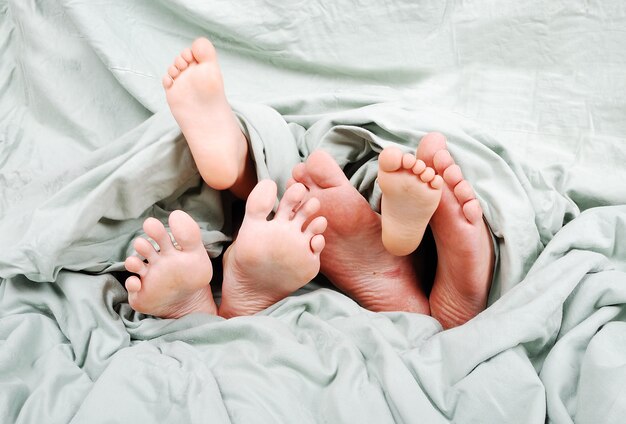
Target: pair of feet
176,281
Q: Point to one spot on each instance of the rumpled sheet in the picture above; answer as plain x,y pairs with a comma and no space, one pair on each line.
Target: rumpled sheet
532,99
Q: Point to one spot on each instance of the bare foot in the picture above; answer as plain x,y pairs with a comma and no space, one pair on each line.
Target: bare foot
269,260
354,258
195,93
464,246
411,193
175,281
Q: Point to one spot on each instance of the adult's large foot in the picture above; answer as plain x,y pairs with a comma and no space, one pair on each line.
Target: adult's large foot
411,192
194,89
269,260
175,281
354,258
464,246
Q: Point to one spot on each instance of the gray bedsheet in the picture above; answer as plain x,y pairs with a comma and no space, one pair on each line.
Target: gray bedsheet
531,98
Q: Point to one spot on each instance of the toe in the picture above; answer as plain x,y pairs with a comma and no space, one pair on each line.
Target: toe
317,226
167,81
463,192
181,63
317,243
408,161
173,71
324,170
135,265
308,209
452,175
390,159
419,167
185,230
300,175
157,232
430,144
290,201
472,211
145,249
261,200
428,175
187,55
203,50
437,182
133,284
442,160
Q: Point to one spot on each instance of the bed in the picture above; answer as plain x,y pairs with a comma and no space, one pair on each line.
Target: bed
532,98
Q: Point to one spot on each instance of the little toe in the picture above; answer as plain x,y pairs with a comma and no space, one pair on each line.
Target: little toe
317,226
317,243
261,200
133,284
145,249
472,211
464,192
185,230
167,81
187,55
173,71
419,167
427,175
157,232
437,182
390,159
290,201
452,175
308,209
442,160
135,265
181,63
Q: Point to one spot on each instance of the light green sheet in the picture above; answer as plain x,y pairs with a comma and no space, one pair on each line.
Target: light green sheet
532,99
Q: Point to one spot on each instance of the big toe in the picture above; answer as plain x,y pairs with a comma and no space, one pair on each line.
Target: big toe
390,159
203,50
324,170
185,230
262,199
430,144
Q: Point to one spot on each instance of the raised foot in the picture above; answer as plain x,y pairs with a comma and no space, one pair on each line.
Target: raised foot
354,258
175,281
194,90
269,260
411,193
464,246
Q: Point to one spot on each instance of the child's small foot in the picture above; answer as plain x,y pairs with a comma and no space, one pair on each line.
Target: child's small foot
175,281
464,247
269,260
411,193
195,93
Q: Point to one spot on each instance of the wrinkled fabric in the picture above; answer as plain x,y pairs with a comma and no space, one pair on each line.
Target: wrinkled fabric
531,99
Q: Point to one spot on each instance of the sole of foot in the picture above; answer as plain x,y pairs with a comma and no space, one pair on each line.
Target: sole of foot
355,259
464,245
270,259
411,193
194,89
175,281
